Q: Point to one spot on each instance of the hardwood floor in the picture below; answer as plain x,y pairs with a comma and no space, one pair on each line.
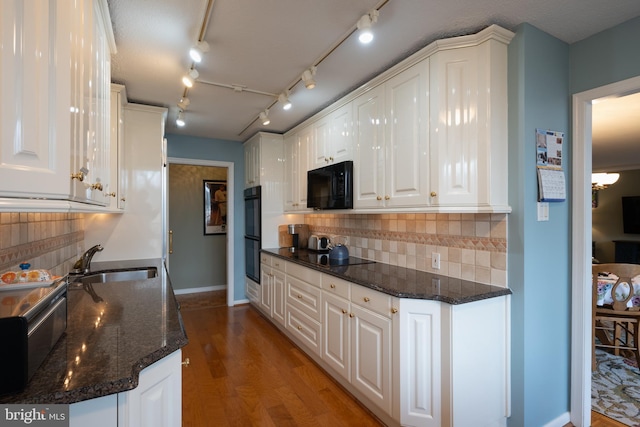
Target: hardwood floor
244,372
599,420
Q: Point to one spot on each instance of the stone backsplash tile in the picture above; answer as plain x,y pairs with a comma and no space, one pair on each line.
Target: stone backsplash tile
471,246
51,241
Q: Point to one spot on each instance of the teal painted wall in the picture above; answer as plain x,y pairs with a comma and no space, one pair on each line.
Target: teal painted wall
190,147
539,252
607,57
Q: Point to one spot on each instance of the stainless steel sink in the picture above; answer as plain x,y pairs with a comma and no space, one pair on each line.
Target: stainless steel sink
123,275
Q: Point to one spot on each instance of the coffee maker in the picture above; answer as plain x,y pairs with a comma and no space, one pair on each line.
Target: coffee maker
299,236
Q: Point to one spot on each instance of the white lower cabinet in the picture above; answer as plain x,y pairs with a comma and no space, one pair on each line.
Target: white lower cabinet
155,402
412,362
270,293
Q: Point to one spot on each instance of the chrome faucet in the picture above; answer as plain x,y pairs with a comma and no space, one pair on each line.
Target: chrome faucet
83,265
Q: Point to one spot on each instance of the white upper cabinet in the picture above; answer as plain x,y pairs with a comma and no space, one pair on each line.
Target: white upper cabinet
332,138
34,129
252,163
117,190
469,126
392,143
296,154
56,94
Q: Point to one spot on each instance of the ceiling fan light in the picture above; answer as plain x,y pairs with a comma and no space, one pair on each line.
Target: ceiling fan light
189,78
283,99
264,117
600,181
180,119
197,52
307,78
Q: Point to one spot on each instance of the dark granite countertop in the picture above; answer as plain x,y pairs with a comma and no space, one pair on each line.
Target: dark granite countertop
114,331
399,281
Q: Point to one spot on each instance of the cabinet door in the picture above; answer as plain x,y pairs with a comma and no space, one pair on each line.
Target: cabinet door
336,351
455,113
35,87
265,289
420,371
368,112
252,162
278,293
305,140
371,356
290,173
320,150
407,137
341,134
157,401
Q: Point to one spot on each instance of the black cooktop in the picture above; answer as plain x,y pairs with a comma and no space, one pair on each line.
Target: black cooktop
322,258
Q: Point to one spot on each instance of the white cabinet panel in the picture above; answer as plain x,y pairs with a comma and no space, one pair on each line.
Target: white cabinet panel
336,349
35,88
278,286
296,154
332,138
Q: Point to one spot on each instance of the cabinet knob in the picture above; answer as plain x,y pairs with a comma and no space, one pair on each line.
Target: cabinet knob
344,311
79,176
433,194
112,194
123,199
96,186
387,197
299,296
366,299
351,315
379,198
277,265
186,362
299,327
394,310
331,159
332,286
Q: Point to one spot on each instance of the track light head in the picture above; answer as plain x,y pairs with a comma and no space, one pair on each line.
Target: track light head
307,77
364,26
264,117
180,119
197,52
183,103
189,78
283,99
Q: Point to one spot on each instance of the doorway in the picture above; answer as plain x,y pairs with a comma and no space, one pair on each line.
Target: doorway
581,245
200,253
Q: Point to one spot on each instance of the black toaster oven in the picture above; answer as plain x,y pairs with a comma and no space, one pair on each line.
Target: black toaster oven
32,320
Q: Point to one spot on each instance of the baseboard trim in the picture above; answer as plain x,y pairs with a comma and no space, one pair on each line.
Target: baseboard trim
199,289
560,421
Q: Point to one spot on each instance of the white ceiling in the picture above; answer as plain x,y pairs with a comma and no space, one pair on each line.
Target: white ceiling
265,45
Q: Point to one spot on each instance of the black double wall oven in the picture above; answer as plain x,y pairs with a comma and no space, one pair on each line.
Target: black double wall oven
252,232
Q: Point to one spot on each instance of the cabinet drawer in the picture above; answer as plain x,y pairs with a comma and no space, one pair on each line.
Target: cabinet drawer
279,264
336,286
266,259
304,297
303,273
373,300
306,330
252,289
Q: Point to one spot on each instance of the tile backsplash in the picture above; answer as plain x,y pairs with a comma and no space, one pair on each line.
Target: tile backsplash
51,241
471,246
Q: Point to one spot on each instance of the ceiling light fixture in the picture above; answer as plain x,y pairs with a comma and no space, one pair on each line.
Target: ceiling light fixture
600,181
283,99
180,120
264,117
364,26
307,77
197,52
190,77
184,103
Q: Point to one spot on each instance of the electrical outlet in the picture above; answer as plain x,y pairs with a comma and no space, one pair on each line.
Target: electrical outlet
435,260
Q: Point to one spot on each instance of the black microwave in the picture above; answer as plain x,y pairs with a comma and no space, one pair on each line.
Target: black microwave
331,187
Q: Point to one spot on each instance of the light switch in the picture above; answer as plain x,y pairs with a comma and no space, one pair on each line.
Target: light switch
543,211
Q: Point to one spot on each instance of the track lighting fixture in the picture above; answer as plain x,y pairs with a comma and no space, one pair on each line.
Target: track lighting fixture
307,77
264,117
364,26
197,52
180,120
190,77
283,99
184,103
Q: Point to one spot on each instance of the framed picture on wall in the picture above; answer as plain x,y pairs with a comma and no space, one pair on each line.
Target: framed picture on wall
215,207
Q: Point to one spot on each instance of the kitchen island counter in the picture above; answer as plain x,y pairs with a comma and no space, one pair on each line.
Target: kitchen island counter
114,331
397,281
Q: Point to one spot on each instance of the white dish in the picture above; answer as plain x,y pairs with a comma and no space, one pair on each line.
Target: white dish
26,285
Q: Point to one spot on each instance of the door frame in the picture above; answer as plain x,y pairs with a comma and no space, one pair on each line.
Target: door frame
581,306
230,215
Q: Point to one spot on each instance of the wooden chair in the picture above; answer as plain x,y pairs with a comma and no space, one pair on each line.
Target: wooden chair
616,325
